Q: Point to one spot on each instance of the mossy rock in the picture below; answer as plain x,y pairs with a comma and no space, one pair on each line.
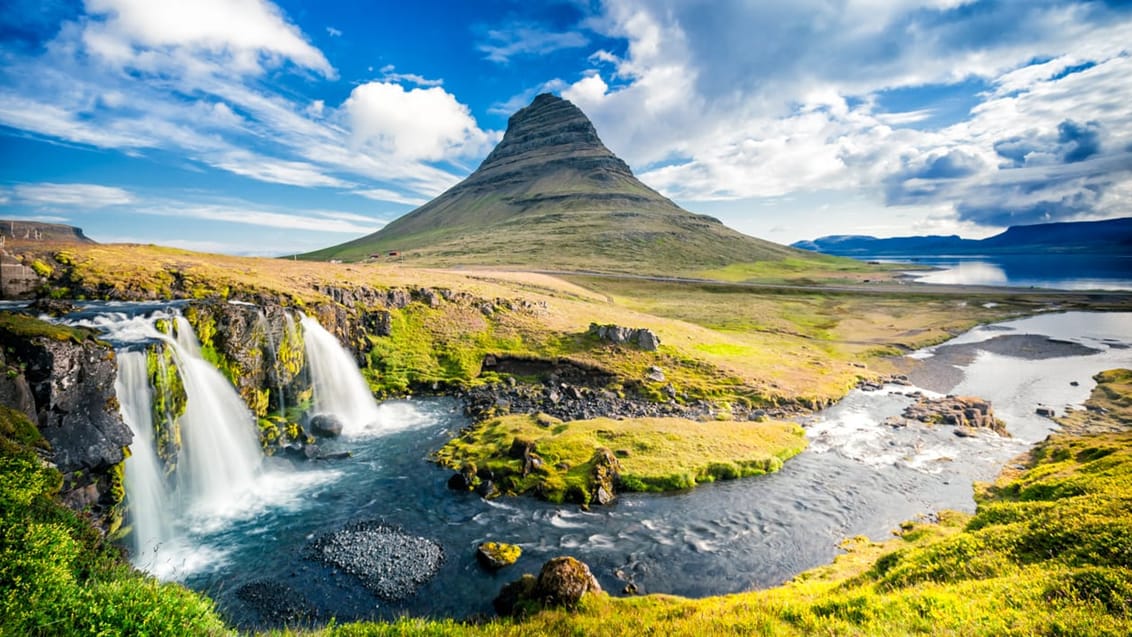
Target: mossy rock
496,555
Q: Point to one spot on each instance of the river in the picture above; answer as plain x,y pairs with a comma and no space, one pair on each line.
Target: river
857,477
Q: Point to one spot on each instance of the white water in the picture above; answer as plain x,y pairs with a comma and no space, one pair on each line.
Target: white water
220,452
145,482
339,388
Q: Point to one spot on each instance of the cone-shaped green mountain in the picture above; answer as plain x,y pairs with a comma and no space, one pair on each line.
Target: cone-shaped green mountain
551,195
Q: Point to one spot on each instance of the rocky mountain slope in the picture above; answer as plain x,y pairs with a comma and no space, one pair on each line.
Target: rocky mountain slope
552,195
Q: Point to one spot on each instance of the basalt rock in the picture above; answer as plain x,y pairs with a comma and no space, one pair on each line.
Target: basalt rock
959,411
496,555
66,386
327,425
642,338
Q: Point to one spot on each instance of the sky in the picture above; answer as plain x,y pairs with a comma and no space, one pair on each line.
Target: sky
268,128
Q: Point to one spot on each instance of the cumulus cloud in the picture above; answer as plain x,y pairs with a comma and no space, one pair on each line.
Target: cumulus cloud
156,35
418,124
753,100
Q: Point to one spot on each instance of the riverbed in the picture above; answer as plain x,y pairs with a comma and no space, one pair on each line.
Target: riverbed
858,477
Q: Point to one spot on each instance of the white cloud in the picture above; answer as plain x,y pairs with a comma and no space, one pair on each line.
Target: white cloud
525,38
332,32
754,100
251,216
80,195
153,35
382,194
293,173
388,74
419,124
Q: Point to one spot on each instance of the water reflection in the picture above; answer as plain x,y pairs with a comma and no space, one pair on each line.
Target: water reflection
1063,272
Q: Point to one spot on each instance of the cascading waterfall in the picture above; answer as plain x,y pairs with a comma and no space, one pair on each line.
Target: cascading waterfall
146,489
220,452
339,389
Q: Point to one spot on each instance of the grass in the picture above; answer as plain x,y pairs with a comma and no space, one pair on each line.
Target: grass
25,326
58,576
655,454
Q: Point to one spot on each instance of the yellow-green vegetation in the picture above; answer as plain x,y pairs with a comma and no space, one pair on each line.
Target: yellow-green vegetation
496,555
1109,408
169,403
759,345
58,576
813,268
655,454
26,326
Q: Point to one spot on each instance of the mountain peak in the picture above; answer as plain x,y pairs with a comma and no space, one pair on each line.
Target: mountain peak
549,130
552,195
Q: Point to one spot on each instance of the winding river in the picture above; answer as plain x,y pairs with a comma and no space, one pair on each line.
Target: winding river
857,477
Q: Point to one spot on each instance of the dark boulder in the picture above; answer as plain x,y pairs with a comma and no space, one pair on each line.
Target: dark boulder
326,425
563,581
604,476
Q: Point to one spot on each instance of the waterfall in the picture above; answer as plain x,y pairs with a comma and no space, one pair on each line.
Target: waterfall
220,451
339,388
145,482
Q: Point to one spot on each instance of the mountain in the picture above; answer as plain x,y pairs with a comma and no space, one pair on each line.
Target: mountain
552,195
24,232
1113,236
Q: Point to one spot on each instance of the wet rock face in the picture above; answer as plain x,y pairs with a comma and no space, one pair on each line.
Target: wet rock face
67,388
390,563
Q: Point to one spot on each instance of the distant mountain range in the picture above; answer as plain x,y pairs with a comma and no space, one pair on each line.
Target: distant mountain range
1111,237
551,195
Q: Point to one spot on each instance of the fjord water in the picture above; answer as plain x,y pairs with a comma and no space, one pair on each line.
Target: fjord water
1059,272
857,477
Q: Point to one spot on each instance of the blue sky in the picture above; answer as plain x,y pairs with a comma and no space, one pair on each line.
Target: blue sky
253,127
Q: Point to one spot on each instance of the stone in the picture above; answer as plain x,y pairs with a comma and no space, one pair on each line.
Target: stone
326,425
496,555
604,476
959,411
563,581
655,374
642,338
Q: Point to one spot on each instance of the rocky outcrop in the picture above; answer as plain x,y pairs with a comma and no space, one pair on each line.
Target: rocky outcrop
563,581
964,412
641,338
605,476
63,380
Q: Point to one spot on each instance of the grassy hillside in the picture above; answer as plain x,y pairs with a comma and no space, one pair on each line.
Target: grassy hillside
723,342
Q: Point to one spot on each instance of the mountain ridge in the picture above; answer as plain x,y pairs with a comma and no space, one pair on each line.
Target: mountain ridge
1110,236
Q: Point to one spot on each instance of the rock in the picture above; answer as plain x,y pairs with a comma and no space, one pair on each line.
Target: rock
517,598
1074,383
655,374
457,482
1047,412
52,307
496,555
326,425
563,581
487,489
66,387
960,411
642,338
604,477
390,563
